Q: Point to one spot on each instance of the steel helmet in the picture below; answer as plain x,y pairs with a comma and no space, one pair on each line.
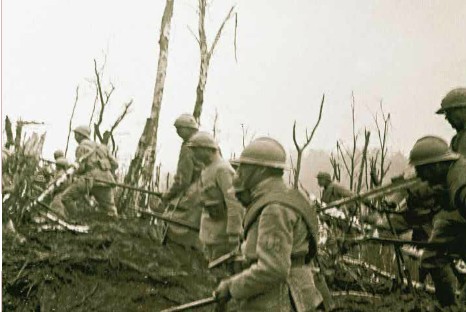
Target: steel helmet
83,130
265,152
58,154
186,121
62,162
324,175
455,98
429,150
203,139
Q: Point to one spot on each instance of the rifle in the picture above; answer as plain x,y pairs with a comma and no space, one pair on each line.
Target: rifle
168,219
232,255
195,304
59,181
375,193
129,187
393,241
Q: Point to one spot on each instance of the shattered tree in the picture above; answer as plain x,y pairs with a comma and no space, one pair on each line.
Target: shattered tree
206,55
141,168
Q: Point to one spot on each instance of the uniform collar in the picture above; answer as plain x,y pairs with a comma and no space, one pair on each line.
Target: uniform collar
265,186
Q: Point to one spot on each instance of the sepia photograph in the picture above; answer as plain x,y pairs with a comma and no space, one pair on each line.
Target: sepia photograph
233,155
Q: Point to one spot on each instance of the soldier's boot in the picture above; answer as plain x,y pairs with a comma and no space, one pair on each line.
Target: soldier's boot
444,282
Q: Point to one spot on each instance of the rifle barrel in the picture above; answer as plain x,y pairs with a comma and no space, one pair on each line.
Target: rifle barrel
374,193
129,187
168,219
194,304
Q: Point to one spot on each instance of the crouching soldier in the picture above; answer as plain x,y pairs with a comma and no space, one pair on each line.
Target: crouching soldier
280,227
437,164
96,165
221,217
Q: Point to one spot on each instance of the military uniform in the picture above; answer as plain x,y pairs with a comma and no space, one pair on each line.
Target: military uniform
184,199
458,143
278,227
334,192
96,163
221,218
449,226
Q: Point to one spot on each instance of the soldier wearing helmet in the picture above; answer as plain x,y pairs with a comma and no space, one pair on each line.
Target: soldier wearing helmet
58,154
280,227
453,106
182,198
220,226
95,163
438,165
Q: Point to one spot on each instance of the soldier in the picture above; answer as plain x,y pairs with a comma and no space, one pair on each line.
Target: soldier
95,162
454,107
280,228
61,165
331,191
221,213
182,198
437,164
58,154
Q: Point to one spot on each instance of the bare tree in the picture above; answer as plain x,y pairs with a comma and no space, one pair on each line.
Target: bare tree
336,167
349,156
71,119
382,132
363,162
300,149
142,165
206,55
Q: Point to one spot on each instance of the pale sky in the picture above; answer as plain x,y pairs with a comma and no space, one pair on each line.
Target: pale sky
408,53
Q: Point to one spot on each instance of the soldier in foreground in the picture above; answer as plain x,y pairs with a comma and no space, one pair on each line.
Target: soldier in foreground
437,164
182,199
280,227
222,213
95,162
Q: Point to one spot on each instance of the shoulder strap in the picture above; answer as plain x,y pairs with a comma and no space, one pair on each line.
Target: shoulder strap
292,199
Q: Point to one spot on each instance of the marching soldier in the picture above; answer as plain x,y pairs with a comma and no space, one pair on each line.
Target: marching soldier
95,162
280,227
221,217
437,164
453,106
182,198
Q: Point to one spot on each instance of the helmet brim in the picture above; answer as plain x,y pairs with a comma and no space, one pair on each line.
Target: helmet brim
441,111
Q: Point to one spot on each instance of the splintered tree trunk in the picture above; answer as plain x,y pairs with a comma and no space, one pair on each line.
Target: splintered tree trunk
142,166
204,62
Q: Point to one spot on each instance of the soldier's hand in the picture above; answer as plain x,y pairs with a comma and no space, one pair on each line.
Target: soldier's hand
222,293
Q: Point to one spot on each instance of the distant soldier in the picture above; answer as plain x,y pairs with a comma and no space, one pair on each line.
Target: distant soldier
61,165
182,199
454,107
437,164
333,191
58,154
221,220
95,163
280,228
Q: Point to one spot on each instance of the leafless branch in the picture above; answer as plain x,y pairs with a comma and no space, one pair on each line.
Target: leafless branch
219,33
71,118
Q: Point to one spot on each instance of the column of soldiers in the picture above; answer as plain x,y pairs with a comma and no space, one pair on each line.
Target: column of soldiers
273,226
